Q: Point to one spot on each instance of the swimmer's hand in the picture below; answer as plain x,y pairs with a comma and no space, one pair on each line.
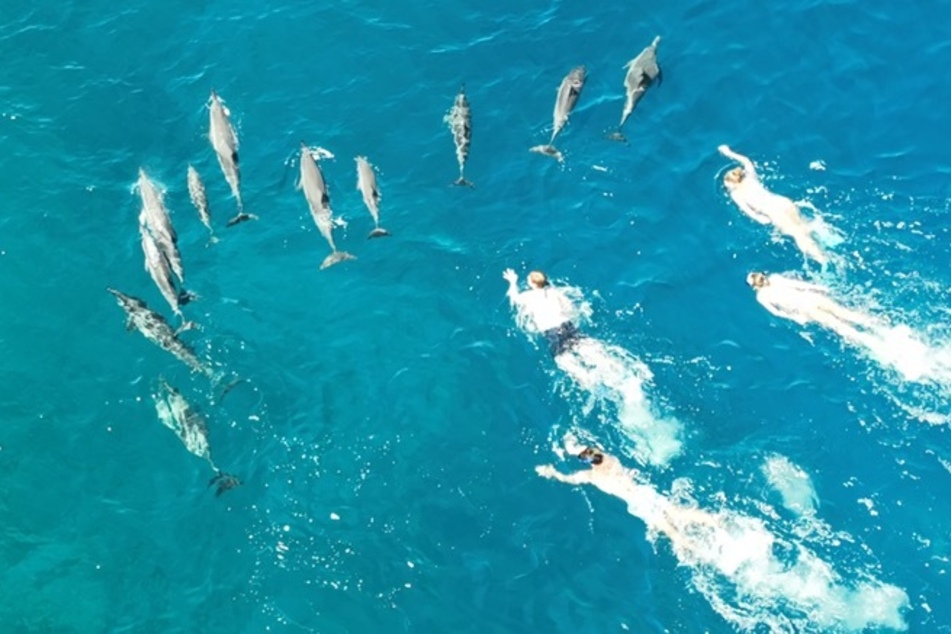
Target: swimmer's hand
572,446
547,471
510,276
725,150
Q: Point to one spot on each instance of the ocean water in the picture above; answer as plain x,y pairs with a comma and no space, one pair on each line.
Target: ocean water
392,413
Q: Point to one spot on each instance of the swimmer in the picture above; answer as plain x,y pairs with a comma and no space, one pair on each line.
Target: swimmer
684,526
765,207
606,472
804,302
546,310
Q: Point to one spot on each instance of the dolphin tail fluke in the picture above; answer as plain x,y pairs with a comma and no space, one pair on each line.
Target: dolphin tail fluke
241,217
463,182
616,136
223,482
335,258
224,389
548,150
187,325
212,239
379,232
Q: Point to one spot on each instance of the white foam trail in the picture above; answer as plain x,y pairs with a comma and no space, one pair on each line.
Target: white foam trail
897,347
792,483
909,353
615,379
750,576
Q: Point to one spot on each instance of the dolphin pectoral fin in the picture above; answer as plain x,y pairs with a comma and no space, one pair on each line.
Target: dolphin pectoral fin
223,482
548,150
129,325
335,258
379,232
240,217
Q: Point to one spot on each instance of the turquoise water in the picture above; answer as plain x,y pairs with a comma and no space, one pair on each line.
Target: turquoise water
392,414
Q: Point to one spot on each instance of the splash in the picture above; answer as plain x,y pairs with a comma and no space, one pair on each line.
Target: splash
615,381
750,576
792,483
918,361
911,355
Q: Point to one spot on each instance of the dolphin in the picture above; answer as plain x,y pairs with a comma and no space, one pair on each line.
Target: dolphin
641,73
225,143
459,120
196,191
315,192
160,270
156,218
366,183
154,327
190,427
568,93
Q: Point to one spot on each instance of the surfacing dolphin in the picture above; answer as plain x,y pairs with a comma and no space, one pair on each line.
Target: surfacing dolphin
155,217
568,93
154,327
366,183
641,73
196,191
190,427
459,119
225,143
318,200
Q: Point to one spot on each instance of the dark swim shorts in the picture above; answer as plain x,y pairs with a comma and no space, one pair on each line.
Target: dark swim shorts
562,338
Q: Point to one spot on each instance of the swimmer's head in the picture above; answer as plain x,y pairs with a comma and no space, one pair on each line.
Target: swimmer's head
733,178
757,280
537,279
591,455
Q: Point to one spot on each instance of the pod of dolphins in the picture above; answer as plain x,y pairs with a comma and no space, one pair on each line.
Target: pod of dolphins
163,261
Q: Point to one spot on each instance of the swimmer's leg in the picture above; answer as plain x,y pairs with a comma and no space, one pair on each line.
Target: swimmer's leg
810,247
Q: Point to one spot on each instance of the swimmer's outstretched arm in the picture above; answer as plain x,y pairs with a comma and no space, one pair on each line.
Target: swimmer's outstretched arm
747,164
511,277
578,477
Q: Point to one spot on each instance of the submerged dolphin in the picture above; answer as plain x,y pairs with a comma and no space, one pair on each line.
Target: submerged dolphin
318,200
459,120
155,216
190,427
641,73
154,327
568,93
366,183
159,269
196,191
225,143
